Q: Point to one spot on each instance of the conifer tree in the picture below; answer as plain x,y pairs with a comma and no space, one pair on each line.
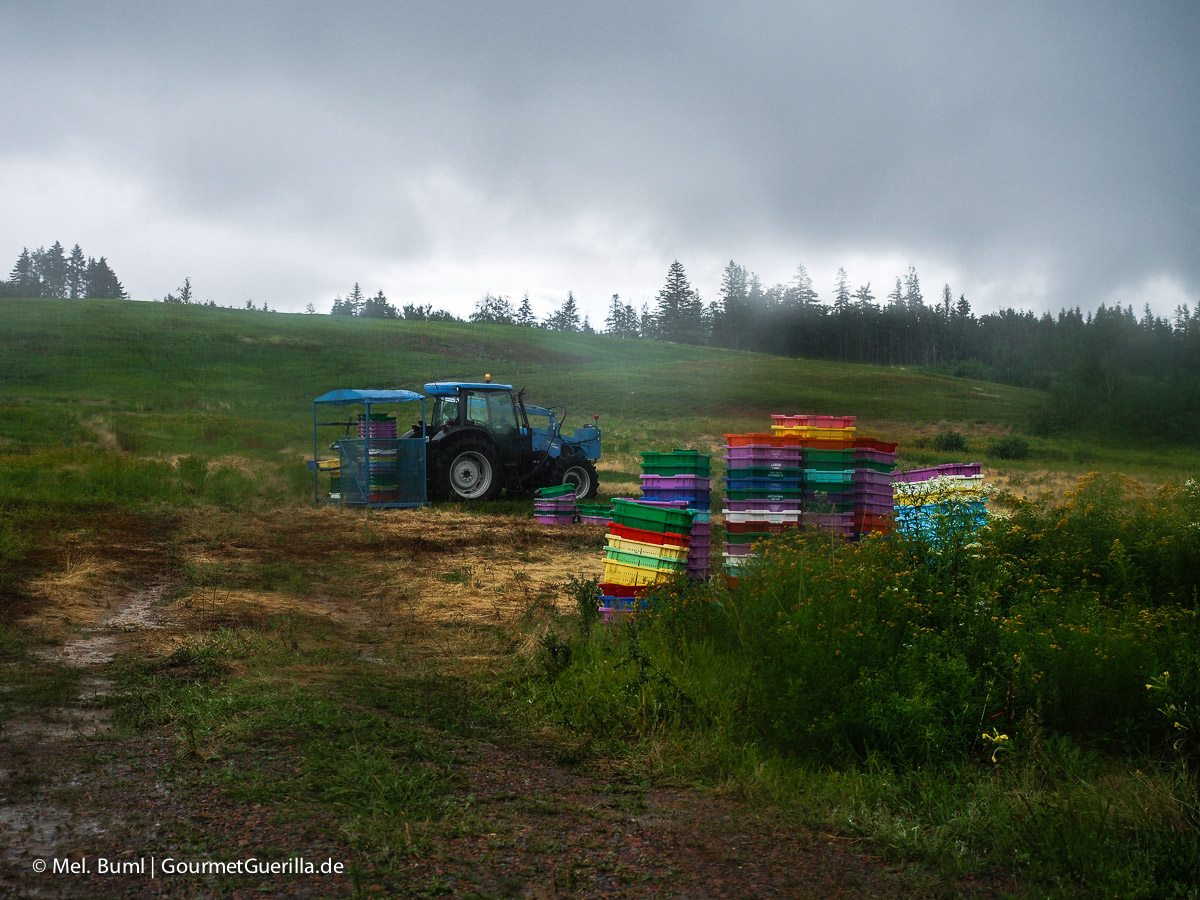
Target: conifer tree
76,273
678,316
525,317
24,278
841,293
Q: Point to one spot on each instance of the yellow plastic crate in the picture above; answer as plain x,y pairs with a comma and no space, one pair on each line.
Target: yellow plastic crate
662,551
330,464
632,576
821,434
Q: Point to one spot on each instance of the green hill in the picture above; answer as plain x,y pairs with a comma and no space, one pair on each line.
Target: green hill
159,380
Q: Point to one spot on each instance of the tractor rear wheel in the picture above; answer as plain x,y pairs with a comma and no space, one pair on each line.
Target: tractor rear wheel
470,471
579,472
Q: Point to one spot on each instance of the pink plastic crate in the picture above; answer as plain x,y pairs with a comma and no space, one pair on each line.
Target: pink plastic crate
614,616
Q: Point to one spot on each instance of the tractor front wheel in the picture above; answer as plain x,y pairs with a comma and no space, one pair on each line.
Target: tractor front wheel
579,472
470,471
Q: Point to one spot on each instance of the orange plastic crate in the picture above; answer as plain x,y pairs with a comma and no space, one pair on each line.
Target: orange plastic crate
761,440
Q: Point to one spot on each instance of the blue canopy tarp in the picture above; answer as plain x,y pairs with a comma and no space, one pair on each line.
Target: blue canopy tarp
356,396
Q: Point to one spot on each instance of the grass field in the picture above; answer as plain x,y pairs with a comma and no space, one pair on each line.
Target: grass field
418,694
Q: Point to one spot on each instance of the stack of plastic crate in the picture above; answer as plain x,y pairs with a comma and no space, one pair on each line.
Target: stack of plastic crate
678,475
937,500
333,467
382,467
763,492
873,463
827,445
647,545
555,505
594,513
683,479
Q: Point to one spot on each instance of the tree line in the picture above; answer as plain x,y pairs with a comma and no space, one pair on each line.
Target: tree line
1108,371
57,274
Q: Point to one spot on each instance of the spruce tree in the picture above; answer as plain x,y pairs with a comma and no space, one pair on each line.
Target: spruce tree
525,317
24,278
678,314
355,301
102,282
841,293
76,273
52,266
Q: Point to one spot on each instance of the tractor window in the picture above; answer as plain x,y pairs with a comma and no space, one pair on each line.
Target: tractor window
493,410
445,412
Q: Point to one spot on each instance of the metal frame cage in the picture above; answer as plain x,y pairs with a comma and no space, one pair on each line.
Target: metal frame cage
379,472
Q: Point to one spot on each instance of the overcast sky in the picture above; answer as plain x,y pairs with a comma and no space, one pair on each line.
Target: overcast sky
1035,155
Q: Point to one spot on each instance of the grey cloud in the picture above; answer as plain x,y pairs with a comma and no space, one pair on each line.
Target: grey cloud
979,137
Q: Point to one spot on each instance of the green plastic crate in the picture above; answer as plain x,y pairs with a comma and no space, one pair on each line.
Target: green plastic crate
794,474
778,496
677,462
651,518
645,561
558,490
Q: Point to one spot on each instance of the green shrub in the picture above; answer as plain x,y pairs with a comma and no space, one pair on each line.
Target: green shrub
1011,447
950,442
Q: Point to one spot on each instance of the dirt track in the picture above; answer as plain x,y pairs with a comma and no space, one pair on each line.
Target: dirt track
540,824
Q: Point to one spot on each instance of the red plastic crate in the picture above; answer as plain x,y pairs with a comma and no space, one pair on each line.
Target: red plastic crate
873,444
663,538
607,589
760,527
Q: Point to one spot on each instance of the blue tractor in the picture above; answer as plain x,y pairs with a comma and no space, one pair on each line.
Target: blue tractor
480,440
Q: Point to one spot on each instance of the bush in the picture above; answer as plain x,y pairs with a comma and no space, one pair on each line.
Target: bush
1011,447
950,442
900,650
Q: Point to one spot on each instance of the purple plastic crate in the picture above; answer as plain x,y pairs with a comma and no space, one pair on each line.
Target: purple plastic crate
738,549
870,476
660,503
556,505
681,484
761,451
762,462
666,493
911,476
595,520
553,519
